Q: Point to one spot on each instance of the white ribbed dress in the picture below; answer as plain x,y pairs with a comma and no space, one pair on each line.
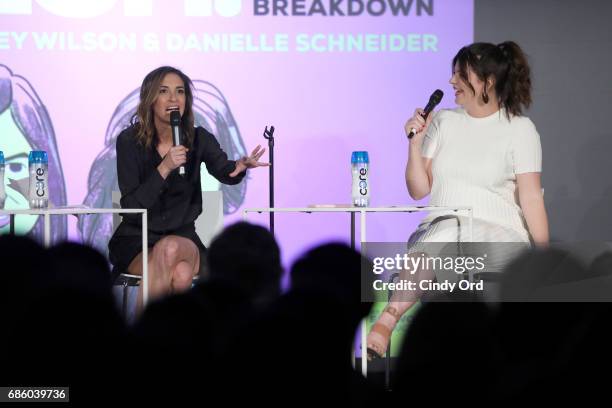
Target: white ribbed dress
475,163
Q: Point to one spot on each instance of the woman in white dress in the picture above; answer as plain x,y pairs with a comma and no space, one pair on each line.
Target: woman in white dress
483,154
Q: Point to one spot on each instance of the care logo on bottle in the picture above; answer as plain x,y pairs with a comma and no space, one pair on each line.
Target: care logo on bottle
40,182
363,181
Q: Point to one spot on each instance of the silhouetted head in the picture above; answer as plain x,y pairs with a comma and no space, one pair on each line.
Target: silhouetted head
332,270
25,265
246,256
80,268
538,276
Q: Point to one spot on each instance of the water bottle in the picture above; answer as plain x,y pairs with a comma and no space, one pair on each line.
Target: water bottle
2,189
39,179
361,179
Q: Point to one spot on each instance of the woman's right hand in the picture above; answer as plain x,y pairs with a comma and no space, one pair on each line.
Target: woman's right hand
176,157
419,124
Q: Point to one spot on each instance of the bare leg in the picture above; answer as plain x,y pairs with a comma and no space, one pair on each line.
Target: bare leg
401,301
179,258
135,268
173,263
379,335
182,277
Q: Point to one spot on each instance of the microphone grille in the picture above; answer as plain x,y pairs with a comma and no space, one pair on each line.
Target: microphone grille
436,97
175,118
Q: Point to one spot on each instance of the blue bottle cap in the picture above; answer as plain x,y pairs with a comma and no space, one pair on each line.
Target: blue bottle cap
359,157
38,156
1,157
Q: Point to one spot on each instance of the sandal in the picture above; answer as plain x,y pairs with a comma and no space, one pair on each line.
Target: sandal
378,338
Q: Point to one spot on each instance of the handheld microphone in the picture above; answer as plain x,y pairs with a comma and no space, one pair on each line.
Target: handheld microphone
175,122
434,100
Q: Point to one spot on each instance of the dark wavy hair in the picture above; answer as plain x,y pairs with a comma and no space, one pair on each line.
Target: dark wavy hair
149,91
506,64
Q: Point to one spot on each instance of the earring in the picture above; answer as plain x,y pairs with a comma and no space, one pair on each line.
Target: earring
485,97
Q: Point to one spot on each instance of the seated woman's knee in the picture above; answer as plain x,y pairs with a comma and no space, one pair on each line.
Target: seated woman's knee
182,276
168,248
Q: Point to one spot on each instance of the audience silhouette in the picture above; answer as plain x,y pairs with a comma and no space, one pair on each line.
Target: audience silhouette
235,336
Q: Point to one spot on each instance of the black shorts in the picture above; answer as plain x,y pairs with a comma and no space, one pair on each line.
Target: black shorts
126,244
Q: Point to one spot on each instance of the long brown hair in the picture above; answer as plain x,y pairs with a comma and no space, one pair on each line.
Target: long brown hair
149,90
507,64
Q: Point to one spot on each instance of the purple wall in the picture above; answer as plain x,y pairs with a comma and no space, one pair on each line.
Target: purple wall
323,103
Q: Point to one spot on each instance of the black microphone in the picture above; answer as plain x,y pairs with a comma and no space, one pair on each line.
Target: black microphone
434,100
175,122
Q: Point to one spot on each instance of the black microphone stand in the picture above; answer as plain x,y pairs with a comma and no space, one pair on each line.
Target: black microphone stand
269,134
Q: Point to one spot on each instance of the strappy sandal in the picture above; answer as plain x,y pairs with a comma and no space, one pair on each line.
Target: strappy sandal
378,349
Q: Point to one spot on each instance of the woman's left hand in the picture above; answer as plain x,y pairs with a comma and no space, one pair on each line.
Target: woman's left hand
249,162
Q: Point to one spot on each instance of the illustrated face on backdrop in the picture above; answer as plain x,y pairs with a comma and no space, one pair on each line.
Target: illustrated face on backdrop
25,125
16,178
